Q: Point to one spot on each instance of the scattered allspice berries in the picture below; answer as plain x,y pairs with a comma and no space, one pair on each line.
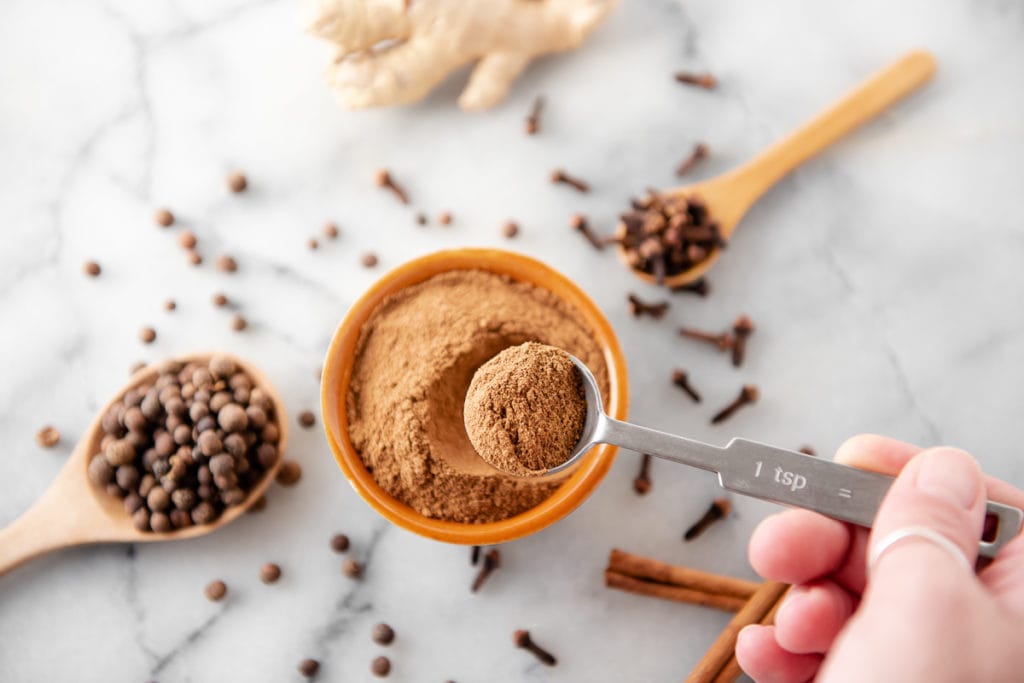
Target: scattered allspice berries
369,259
313,244
239,323
91,268
331,230
226,263
381,666
351,569
163,217
237,182
220,300
194,257
339,543
421,218
383,634
307,419
48,436
170,304
445,218
216,590
147,335
309,667
510,229
290,473
270,572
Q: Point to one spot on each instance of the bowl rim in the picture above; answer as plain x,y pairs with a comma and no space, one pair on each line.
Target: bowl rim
337,373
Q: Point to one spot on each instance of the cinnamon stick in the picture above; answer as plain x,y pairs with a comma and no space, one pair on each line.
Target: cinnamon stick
652,570
724,647
731,671
670,592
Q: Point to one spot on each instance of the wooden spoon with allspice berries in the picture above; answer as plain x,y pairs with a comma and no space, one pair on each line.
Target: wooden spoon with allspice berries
674,237
76,510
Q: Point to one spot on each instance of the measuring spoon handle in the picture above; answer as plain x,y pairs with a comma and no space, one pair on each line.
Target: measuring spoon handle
839,491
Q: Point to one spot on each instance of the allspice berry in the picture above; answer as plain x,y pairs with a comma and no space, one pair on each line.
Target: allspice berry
232,418
170,305
237,182
331,230
339,543
369,259
381,666
163,217
270,573
309,667
147,335
215,591
289,473
307,419
383,634
227,263
48,436
239,323
187,239
220,300
510,229
351,569
313,244
91,268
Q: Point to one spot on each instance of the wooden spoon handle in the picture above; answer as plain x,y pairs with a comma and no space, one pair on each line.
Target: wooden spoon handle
65,515
863,103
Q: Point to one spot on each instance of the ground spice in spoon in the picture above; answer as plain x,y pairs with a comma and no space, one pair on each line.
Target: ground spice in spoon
414,361
525,409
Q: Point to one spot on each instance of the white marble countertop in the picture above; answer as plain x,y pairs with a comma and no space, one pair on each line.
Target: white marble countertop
884,278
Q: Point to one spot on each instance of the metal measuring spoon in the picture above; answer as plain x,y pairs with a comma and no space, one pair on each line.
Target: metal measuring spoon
766,472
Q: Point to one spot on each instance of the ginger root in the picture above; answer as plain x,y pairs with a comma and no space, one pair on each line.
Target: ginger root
396,51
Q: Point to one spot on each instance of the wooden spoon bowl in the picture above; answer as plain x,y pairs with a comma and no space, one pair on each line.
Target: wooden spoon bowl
729,196
75,511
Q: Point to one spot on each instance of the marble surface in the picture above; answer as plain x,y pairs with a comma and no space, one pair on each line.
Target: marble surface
884,278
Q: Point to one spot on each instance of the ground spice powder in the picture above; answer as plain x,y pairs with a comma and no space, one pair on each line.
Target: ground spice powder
415,358
525,409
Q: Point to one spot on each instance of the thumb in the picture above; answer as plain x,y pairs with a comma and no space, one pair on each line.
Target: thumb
941,490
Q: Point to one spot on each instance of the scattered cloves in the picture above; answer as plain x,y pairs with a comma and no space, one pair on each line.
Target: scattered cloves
807,450
474,555
533,120
639,307
703,80
491,561
682,380
720,508
742,328
578,222
384,179
522,639
642,483
700,152
723,342
748,394
560,176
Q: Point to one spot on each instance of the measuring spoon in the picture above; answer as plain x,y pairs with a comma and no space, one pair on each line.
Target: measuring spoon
766,472
729,196
74,511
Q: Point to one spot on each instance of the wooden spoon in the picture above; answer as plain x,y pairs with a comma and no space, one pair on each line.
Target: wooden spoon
74,511
730,195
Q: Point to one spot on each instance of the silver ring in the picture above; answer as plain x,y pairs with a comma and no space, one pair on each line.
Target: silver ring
903,533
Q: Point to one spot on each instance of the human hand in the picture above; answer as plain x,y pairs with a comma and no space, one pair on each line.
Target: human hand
920,615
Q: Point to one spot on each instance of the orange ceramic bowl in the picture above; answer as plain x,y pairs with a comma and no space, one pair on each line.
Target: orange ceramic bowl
338,372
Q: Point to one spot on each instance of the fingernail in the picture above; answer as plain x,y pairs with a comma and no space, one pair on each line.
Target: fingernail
950,474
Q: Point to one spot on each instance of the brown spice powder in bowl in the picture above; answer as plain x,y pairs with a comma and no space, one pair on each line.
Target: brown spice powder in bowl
414,360
525,409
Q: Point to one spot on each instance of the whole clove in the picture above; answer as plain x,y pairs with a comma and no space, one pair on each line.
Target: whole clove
491,561
533,120
807,450
742,328
639,307
560,176
384,179
701,80
474,555
522,639
720,508
699,287
578,222
642,483
748,394
699,153
682,380
723,341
